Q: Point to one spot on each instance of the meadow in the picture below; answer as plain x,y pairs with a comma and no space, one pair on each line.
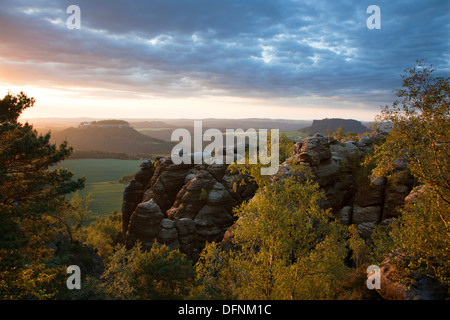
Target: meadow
102,177
295,135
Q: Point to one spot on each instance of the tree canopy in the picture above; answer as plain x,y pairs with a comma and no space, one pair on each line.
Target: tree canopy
32,202
287,248
419,135
419,143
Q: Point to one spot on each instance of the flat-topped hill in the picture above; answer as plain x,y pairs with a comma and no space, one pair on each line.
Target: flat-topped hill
323,126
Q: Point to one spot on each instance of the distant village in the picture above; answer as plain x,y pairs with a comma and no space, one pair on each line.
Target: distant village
104,124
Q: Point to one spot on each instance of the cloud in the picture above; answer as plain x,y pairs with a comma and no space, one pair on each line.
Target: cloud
254,48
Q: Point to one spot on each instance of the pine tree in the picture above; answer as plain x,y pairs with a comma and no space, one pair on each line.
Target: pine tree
32,203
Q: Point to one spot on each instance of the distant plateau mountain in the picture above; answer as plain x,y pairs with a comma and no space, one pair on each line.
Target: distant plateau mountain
323,126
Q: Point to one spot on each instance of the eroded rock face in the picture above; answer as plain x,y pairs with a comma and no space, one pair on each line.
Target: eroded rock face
354,200
134,191
144,224
182,206
394,286
186,205
314,150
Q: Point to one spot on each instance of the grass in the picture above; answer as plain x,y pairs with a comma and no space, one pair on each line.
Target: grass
295,135
102,177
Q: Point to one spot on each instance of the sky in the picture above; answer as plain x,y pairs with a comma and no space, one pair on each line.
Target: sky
199,59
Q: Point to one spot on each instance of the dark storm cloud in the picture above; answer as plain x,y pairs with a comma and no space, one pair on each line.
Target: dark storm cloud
253,48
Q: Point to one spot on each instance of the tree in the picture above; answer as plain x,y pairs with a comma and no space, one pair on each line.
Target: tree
420,131
419,139
254,170
422,234
32,202
159,273
79,212
104,234
340,133
215,275
357,245
288,248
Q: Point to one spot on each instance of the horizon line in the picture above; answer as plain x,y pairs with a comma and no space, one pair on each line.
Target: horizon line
192,119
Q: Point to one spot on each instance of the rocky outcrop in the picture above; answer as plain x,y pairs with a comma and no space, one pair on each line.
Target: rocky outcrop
394,286
325,125
186,205
354,199
314,150
182,206
134,192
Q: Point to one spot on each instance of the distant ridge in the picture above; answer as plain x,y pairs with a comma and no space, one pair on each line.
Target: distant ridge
219,123
323,126
112,139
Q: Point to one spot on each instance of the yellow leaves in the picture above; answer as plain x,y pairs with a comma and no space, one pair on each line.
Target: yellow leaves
420,123
36,281
285,238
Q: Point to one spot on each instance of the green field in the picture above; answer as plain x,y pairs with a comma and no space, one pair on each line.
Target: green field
101,180
295,135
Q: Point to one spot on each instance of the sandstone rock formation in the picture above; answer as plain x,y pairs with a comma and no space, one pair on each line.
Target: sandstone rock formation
353,198
182,206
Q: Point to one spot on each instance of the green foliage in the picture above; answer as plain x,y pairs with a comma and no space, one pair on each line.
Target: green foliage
104,234
285,147
382,244
422,235
156,274
11,106
357,245
126,178
254,170
425,235
215,277
32,203
288,248
352,136
79,213
420,139
420,133
340,133
203,195
35,281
